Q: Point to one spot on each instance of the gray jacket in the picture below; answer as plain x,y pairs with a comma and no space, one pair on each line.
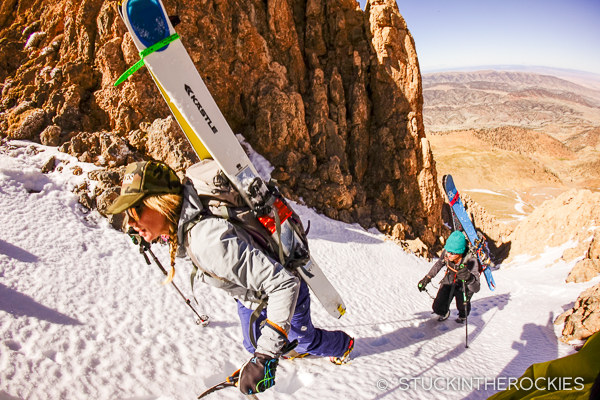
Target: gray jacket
469,260
228,258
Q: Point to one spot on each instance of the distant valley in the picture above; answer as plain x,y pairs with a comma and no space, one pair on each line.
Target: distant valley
514,139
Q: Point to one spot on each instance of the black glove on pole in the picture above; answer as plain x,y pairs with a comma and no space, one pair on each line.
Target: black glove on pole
463,273
258,374
424,282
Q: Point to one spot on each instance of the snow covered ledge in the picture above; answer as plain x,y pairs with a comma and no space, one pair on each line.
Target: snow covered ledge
563,233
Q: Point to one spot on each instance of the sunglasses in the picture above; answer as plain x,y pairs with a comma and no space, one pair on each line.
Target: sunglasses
135,212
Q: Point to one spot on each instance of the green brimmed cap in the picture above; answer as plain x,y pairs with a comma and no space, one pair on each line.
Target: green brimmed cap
144,179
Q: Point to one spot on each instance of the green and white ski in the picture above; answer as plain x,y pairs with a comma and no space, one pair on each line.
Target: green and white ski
207,130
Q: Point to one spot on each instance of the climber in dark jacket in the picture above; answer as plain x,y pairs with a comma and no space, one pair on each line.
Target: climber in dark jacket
462,273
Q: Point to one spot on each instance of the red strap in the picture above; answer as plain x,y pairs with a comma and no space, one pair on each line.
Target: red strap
454,199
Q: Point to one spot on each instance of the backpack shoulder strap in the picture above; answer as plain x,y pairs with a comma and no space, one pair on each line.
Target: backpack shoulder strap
196,264
196,268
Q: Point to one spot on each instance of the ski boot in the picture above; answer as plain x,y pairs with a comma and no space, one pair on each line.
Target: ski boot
344,359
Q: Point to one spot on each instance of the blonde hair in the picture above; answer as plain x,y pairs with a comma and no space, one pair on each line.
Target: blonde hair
168,205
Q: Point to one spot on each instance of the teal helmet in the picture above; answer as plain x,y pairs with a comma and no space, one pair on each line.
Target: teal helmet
456,243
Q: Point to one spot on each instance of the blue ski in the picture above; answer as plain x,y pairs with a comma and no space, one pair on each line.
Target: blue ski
477,241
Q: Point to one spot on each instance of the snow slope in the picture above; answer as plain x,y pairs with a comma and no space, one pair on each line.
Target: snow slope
83,317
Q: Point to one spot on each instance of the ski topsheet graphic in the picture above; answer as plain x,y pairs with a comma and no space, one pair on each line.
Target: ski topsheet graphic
200,118
458,210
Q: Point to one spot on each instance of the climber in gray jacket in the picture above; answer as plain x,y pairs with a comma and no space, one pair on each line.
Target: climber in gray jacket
227,257
462,273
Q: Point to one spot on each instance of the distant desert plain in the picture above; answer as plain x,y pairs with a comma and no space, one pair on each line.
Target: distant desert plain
512,139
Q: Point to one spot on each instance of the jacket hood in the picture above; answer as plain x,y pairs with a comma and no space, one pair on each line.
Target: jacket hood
190,211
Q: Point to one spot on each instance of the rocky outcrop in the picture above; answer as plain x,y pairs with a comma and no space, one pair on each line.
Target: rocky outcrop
331,95
494,230
574,215
584,271
163,140
589,267
100,148
583,320
398,148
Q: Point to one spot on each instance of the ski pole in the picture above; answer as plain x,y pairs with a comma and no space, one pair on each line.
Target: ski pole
466,315
427,291
203,320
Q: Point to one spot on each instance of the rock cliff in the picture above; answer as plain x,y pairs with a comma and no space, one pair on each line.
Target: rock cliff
330,94
573,215
583,320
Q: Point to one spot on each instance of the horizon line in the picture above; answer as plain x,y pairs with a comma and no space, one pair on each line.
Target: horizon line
505,67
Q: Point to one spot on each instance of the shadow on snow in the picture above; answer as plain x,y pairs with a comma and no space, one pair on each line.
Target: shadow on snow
431,328
16,252
540,345
19,305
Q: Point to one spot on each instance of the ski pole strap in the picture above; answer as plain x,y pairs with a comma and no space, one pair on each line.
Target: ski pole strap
143,54
429,294
143,252
225,212
276,328
192,278
253,318
280,331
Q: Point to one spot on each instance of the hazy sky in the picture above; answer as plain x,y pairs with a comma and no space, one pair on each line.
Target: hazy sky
464,33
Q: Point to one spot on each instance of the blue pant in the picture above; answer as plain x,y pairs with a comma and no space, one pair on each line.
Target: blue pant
317,342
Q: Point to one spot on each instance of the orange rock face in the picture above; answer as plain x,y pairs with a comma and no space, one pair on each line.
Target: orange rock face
331,95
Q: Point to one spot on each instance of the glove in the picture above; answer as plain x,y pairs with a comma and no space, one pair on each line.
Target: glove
258,374
464,274
424,282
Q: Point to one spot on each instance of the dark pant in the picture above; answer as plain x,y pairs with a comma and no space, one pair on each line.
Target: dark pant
317,342
442,301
